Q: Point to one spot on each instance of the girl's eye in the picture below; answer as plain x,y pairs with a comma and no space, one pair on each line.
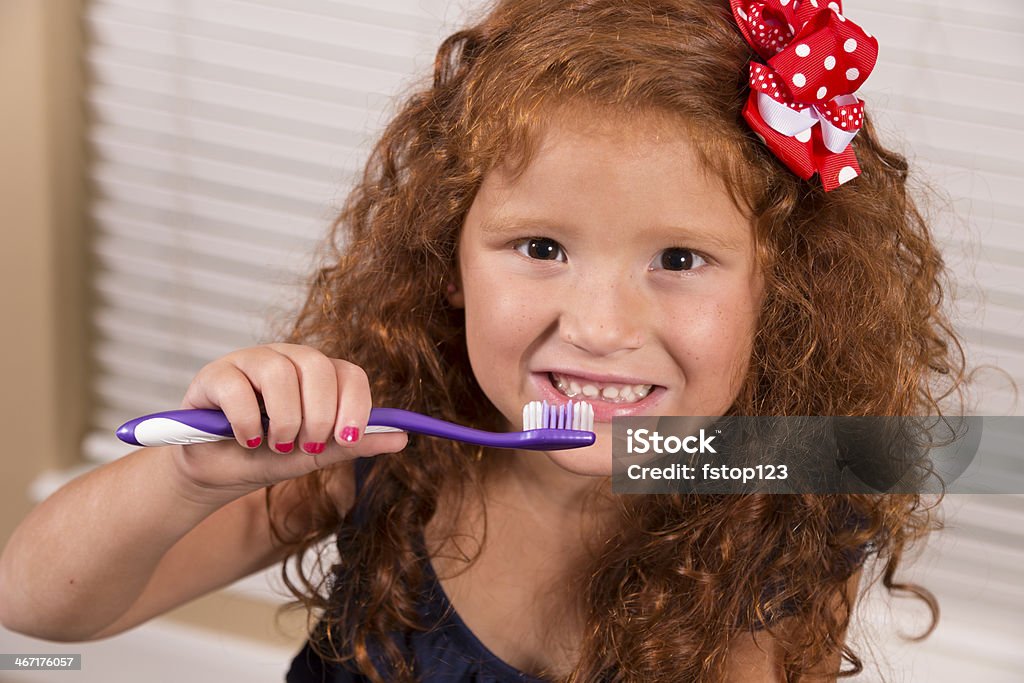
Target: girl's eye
540,248
679,259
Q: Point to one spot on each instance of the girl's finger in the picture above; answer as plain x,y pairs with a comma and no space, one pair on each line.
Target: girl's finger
276,378
354,403
223,386
318,390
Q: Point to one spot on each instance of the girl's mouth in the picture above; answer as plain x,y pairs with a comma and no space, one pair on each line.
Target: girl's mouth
635,401
575,387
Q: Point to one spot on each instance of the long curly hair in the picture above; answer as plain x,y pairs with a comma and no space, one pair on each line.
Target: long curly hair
852,324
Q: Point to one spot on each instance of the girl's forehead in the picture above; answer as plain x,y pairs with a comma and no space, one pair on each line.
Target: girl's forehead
568,140
601,176
586,124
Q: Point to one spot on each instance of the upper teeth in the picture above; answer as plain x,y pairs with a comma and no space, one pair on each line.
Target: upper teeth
615,393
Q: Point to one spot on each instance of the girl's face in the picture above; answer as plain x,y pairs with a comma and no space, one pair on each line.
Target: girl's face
612,269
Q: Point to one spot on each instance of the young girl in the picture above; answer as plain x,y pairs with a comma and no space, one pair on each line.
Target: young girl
577,205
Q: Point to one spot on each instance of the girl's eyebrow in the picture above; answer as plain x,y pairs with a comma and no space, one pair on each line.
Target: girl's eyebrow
501,225
681,236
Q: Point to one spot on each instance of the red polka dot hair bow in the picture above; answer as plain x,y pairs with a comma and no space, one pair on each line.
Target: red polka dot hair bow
802,101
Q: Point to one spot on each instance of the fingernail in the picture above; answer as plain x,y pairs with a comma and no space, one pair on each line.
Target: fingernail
253,443
285,447
313,447
350,434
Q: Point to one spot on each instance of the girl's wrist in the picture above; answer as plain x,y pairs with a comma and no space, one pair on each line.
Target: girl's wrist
205,500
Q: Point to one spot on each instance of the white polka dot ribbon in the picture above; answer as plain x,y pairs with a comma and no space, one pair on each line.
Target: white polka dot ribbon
802,102
840,118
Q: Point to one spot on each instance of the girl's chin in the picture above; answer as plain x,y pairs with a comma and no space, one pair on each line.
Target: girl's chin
593,461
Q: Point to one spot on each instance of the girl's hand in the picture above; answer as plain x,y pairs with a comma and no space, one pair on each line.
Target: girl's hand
318,409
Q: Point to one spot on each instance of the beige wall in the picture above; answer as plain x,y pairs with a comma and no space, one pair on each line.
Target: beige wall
43,349
41,278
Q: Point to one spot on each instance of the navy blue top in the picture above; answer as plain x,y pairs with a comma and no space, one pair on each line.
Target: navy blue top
447,653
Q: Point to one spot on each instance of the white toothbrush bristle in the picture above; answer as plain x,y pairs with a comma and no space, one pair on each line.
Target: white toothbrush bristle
574,415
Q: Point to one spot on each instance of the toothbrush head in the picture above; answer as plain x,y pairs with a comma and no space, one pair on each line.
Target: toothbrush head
575,416
549,427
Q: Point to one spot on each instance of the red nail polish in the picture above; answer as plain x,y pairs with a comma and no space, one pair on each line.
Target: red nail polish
253,443
313,447
350,434
285,447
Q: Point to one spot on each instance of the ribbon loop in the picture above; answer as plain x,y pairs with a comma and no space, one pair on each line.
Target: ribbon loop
783,119
816,59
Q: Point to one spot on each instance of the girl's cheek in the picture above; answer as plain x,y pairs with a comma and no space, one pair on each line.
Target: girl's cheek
515,299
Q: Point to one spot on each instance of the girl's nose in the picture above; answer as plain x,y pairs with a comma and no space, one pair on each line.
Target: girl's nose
603,318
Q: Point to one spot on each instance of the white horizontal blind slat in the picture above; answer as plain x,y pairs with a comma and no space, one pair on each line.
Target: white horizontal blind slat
188,205
164,163
291,138
171,35
217,82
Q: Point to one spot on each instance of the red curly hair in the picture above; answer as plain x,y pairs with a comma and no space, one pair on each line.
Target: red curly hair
852,324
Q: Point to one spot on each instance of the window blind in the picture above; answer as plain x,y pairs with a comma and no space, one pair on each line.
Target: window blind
225,133
946,84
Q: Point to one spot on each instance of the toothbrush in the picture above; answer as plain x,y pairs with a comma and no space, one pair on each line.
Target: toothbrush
545,427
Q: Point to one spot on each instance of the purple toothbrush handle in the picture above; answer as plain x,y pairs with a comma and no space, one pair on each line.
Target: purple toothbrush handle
535,439
176,426
204,425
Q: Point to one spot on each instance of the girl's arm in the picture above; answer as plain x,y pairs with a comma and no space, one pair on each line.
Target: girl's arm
164,525
82,566
757,659
83,556
240,533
